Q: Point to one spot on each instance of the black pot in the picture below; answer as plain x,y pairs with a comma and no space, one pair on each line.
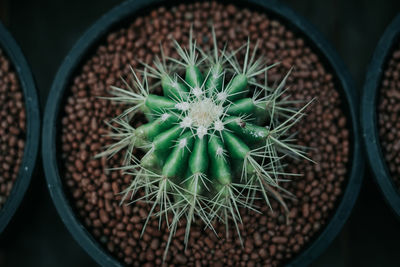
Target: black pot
17,59
112,20
369,114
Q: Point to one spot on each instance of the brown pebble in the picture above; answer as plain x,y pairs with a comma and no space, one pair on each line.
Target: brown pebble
180,259
103,216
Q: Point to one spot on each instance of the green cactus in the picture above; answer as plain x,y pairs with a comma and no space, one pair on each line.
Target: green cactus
214,140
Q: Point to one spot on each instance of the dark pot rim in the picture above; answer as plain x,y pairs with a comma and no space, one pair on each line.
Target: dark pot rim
32,139
369,120
121,12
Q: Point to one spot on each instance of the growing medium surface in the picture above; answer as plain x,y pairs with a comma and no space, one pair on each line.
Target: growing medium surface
388,110
95,188
12,127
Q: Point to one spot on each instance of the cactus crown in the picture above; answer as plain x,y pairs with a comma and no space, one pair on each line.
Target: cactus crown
214,140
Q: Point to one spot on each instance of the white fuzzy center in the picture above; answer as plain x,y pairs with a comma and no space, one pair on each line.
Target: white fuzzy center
204,113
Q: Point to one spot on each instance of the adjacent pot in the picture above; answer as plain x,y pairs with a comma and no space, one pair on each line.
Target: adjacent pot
32,125
122,13
369,113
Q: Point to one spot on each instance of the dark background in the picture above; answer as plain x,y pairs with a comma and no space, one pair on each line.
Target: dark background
47,29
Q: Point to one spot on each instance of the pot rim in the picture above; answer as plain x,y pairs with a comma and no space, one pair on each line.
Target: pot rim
122,12
372,83
32,137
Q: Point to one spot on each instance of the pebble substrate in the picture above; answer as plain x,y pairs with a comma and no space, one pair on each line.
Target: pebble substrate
267,239
12,127
388,110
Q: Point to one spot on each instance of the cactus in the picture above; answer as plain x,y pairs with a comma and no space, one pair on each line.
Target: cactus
214,140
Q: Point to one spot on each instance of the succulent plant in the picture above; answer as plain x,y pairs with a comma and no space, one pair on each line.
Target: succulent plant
214,140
